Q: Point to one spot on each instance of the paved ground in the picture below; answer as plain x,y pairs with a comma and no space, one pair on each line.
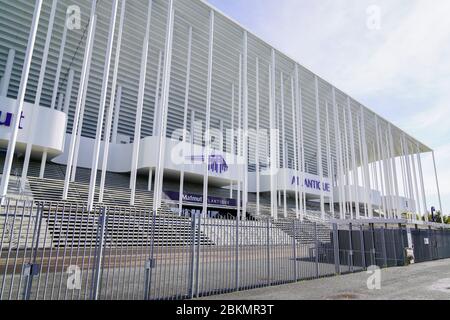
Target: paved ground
429,280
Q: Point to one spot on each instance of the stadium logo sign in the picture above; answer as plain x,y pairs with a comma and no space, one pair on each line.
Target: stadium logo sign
216,163
312,184
6,119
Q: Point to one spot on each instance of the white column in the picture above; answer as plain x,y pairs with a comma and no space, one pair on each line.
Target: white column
319,146
283,138
337,137
301,157
437,187
366,164
330,174
116,115
112,102
185,117
416,186
361,161
164,106
40,84
294,141
422,185
20,101
245,124
258,173
156,115
232,136
273,141
4,82
101,113
348,189
394,168
380,170
81,89
239,140
354,166
82,110
140,105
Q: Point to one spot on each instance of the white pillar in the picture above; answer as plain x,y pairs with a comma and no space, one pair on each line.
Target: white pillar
283,138
319,146
6,79
239,140
208,116
110,114
164,107
185,116
101,113
258,173
245,124
422,185
354,166
273,140
232,136
294,138
301,157
338,145
394,168
437,186
416,186
40,84
366,165
81,89
20,100
348,189
156,115
116,115
140,105
330,174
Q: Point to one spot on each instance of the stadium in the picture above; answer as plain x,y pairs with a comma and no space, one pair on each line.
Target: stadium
175,109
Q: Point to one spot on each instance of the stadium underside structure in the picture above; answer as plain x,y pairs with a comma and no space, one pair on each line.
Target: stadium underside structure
171,104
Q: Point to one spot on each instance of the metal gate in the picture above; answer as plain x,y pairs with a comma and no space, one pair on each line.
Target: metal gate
62,251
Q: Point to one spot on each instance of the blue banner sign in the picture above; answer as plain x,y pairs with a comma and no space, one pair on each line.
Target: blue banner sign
312,184
195,198
6,119
216,163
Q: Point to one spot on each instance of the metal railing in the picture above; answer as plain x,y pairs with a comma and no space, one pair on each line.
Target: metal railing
61,251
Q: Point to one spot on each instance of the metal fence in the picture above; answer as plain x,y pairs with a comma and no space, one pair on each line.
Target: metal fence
61,251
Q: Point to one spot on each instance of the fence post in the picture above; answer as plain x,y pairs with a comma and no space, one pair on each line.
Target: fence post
98,255
317,249
32,269
336,248
383,246
294,244
268,252
192,260
363,246
151,263
237,253
430,243
373,257
350,246
197,268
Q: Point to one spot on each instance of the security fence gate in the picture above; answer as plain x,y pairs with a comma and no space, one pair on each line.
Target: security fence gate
62,251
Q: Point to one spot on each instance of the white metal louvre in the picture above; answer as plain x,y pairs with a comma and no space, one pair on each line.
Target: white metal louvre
15,17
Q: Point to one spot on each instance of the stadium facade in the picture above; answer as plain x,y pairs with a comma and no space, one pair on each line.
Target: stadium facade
117,94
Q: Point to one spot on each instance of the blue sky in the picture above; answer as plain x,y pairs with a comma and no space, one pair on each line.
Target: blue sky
397,65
